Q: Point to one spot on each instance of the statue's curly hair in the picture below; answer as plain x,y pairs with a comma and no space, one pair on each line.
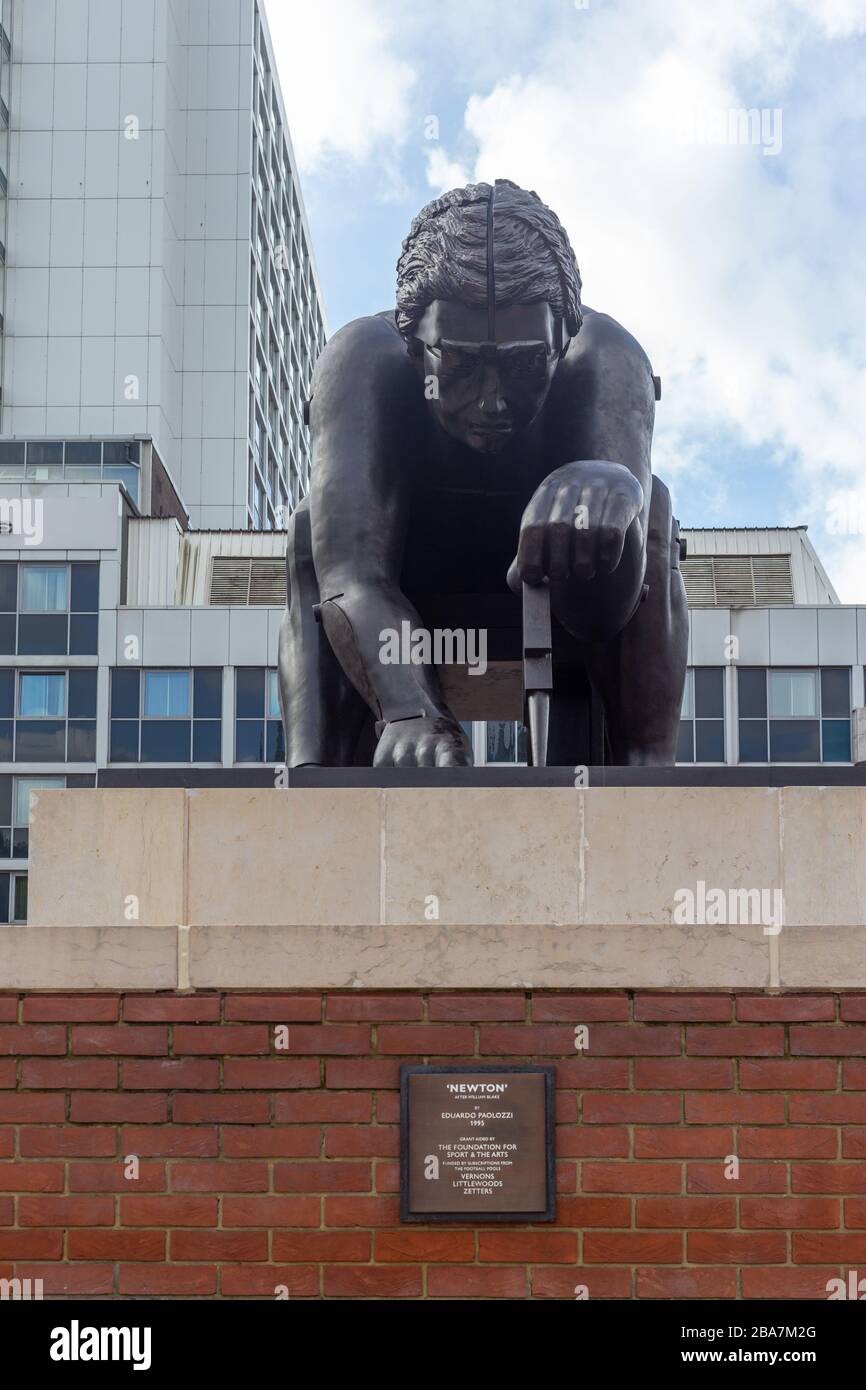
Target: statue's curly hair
445,255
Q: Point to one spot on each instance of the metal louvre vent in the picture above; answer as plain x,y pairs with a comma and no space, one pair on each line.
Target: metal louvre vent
737,581
244,582
773,579
697,575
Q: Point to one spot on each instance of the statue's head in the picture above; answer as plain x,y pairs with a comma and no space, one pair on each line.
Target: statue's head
488,297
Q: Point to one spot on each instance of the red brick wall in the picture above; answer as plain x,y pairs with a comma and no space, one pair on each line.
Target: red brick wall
261,1168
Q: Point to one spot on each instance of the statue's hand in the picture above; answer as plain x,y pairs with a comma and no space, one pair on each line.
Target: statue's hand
576,522
437,742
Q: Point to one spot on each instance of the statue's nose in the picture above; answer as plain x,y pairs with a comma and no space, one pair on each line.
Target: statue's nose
490,400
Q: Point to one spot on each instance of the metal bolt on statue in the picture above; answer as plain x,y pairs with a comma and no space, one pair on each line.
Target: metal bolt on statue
488,441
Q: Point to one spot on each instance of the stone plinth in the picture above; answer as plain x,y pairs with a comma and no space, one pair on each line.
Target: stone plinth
445,888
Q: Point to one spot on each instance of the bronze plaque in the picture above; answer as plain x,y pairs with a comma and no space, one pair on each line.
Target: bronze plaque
476,1143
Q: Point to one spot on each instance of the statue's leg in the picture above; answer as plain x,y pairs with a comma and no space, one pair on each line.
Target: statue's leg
323,715
640,674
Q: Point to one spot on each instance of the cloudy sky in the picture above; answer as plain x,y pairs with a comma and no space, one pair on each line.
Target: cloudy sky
733,249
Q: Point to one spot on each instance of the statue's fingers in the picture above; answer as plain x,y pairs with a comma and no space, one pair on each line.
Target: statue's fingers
512,578
530,552
583,538
448,755
557,563
404,754
425,751
616,518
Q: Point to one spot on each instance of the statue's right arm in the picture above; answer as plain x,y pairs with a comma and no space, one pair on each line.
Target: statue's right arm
365,418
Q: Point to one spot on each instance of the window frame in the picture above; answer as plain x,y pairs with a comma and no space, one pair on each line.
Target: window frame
271,685
819,717
191,719
693,719
12,633
24,672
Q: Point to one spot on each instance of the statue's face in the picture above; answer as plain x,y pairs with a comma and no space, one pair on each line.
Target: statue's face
485,390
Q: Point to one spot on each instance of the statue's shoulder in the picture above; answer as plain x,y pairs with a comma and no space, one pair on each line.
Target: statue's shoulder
603,335
373,335
365,365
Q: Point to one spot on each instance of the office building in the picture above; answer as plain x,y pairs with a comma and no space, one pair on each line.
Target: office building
158,282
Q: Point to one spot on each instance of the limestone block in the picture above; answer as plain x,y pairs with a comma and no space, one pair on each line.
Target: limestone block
130,957
481,855
260,856
107,857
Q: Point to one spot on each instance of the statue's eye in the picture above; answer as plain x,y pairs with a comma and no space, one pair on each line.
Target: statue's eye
458,365
527,365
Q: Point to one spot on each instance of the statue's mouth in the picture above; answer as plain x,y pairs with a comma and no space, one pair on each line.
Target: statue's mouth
492,431
489,439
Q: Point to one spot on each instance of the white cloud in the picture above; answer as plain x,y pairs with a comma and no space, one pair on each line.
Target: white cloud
345,88
737,270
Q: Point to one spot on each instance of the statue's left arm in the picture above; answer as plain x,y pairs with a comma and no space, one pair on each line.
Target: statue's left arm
585,527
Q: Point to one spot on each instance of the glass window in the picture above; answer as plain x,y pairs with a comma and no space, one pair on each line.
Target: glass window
19,898
753,740
181,716
85,587
273,696
125,694
836,740
23,787
207,693
165,740
807,717
835,692
250,741
506,742
794,741
701,736
44,588
42,452
83,634
43,634
206,740
120,451
123,744
82,694
129,476
275,751
709,740
709,692
258,724
42,694
83,453
687,707
81,741
686,742
166,694
752,690
12,459
8,586
44,460
7,694
40,741
793,695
